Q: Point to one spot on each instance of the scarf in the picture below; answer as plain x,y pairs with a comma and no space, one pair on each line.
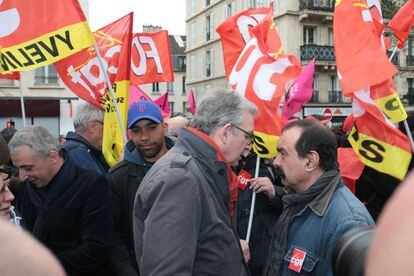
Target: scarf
220,157
43,198
293,204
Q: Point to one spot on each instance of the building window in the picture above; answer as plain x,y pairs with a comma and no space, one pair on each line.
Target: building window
192,67
229,9
192,7
183,82
330,37
185,107
410,47
208,27
335,93
315,96
46,75
309,35
192,35
208,62
171,107
207,2
155,87
251,4
410,91
170,87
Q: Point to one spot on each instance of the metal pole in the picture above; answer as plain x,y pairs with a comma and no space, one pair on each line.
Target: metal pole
112,94
22,102
249,227
393,53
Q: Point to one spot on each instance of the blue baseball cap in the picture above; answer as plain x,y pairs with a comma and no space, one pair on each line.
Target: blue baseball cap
144,110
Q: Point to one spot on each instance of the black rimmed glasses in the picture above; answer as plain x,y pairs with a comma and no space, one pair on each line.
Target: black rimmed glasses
249,136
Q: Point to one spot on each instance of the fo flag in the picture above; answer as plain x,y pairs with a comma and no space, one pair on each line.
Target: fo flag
35,33
262,76
11,76
402,22
235,33
151,58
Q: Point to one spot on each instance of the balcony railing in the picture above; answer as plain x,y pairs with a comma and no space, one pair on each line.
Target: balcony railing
315,97
335,96
409,60
317,5
323,53
395,58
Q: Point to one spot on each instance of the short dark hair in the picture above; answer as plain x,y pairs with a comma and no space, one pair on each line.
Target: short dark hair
317,137
8,133
4,152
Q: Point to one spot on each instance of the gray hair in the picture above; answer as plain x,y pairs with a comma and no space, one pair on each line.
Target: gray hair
221,108
85,113
38,138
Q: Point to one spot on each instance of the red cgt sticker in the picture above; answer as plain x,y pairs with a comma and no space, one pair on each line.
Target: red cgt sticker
296,262
243,179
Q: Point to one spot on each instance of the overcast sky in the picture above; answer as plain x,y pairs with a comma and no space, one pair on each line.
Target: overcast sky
170,14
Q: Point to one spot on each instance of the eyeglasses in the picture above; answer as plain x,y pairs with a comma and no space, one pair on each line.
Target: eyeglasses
249,136
100,122
6,171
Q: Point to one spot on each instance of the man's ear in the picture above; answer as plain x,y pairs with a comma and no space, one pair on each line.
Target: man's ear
312,162
165,127
221,135
53,156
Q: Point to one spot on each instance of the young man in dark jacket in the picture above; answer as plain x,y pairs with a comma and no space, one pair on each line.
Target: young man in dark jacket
65,207
148,143
84,145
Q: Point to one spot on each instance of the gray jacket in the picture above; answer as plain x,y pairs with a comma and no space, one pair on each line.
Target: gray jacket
181,215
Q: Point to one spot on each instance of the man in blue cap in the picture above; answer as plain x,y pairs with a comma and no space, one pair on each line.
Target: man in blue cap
148,143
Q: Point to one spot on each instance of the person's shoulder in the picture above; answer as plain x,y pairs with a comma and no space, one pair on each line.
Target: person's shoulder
88,178
119,167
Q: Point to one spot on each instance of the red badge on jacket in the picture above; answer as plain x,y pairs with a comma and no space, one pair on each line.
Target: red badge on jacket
296,262
243,179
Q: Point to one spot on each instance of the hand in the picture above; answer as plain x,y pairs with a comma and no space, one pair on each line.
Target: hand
246,250
263,184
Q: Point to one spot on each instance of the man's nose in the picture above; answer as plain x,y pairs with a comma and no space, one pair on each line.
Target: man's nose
23,176
276,161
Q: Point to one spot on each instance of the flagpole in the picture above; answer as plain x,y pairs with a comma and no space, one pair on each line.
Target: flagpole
111,93
407,127
22,102
249,227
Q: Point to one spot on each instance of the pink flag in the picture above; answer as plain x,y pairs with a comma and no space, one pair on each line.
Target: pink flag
136,95
300,92
164,105
191,102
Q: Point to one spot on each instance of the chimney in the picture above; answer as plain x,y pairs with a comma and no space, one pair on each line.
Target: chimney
151,29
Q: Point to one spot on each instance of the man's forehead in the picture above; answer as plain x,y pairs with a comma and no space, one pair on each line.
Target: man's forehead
290,136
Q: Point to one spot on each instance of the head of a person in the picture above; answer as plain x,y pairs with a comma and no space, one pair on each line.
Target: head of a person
8,133
228,119
88,123
147,130
175,124
306,150
6,197
35,152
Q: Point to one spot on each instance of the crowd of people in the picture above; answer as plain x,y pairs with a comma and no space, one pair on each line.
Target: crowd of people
173,204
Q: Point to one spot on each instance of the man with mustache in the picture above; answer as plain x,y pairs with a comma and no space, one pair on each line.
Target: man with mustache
148,143
317,207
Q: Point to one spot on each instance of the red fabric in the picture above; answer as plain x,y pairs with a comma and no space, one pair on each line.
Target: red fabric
192,102
401,22
11,76
220,157
349,123
164,104
350,166
82,72
151,58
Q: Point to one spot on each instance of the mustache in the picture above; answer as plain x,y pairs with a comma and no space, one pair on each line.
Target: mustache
280,173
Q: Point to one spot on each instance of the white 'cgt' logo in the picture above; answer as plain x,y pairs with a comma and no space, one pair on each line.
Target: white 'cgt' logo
10,21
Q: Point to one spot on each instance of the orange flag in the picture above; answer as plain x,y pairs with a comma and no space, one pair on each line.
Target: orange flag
350,166
151,58
261,75
40,32
82,72
235,33
402,22
359,54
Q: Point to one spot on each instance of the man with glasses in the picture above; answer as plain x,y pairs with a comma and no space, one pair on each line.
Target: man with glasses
184,208
85,144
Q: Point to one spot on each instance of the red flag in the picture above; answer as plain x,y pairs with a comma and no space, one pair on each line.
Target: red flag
300,92
35,33
11,76
261,76
151,58
191,102
350,166
164,104
235,33
136,95
402,22
357,48
82,72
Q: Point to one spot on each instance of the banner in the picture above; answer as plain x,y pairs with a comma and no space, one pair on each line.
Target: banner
40,32
151,58
235,33
262,77
11,76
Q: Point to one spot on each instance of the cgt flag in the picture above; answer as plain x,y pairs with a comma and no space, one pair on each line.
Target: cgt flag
261,75
40,32
151,58
83,74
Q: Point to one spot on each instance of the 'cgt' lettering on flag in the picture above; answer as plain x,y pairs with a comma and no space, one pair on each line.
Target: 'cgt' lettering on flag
36,37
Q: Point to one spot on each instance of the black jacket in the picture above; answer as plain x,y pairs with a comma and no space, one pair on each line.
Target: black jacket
124,179
78,223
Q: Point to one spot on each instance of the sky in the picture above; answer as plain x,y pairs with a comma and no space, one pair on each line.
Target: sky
170,14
